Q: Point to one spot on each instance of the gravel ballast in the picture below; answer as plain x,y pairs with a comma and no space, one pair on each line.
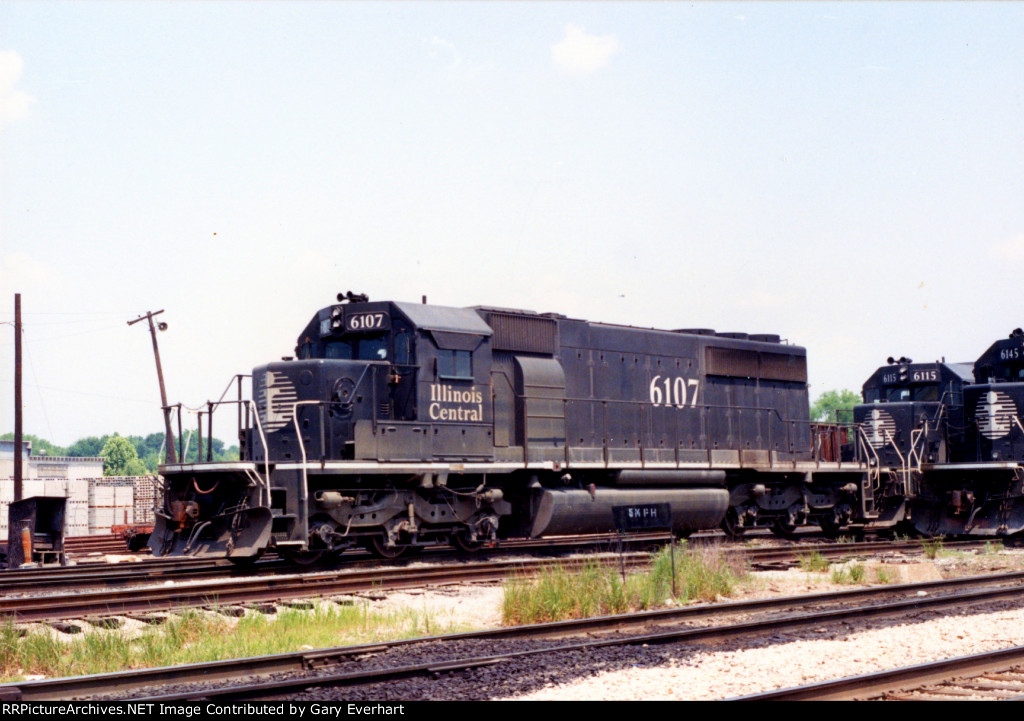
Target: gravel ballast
680,672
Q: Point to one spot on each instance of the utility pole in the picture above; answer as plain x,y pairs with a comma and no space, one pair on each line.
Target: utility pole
18,470
172,456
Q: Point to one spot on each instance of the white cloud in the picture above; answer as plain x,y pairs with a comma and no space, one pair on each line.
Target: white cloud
1012,249
14,104
443,50
22,273
579,53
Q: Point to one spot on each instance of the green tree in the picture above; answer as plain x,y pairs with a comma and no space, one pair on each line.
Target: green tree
121,458
148,450
835,406
89,447
40,446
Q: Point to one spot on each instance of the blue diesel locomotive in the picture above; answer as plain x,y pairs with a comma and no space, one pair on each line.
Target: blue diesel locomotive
398,425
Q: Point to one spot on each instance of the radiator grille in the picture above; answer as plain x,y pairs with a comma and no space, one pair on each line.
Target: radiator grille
522,333
738,363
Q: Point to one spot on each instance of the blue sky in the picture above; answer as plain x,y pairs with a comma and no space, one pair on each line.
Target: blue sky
847,175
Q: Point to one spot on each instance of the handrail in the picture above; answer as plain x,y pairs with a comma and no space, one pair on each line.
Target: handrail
904,471
868,449
915,437
264,483
703,409
771,417
263,442
303,499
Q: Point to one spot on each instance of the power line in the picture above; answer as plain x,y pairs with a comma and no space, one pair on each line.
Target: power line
85,393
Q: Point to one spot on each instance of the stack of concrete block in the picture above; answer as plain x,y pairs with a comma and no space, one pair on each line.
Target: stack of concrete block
76,512
6,496
94,505
145,499
120,501
111,503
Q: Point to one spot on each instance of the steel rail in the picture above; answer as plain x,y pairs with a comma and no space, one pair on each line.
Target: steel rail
905,680
227,592
118,683
27,582
283,687
159,569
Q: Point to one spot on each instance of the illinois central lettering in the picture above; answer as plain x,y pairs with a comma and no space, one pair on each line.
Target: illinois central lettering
448,403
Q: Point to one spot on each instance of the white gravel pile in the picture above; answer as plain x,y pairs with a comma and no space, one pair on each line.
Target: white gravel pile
718,675
736,673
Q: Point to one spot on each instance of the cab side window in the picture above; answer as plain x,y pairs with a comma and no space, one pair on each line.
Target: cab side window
403,348
454,364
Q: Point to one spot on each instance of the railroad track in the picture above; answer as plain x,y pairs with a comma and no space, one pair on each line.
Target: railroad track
80,547
994,676
284,675
254,590
28,596
158,570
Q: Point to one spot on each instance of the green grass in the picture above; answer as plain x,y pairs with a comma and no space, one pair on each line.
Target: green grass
850,574
813,562
590,588
932,547
195,637
993,548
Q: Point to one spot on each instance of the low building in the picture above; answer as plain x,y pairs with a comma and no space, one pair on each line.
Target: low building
69,468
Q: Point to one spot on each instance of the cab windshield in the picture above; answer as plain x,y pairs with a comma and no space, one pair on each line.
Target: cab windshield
362,348
899,394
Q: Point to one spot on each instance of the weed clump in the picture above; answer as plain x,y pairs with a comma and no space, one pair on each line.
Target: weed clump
850,574
197,637
932,547
813,562
591,588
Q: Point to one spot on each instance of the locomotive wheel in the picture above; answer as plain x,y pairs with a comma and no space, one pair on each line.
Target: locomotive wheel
783,529
304,558
137,542
462,543
830,528
731,526
247,561
375,545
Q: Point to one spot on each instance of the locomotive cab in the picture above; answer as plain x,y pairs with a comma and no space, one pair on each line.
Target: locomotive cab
995,404
912,413
340,447
983,492
379,382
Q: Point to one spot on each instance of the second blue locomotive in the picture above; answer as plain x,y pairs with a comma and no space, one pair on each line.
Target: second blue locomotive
947,440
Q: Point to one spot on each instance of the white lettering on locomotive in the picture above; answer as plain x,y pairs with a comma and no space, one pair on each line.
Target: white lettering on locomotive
448,403
679,392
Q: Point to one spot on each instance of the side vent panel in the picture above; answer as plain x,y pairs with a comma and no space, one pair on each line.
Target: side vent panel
522,333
